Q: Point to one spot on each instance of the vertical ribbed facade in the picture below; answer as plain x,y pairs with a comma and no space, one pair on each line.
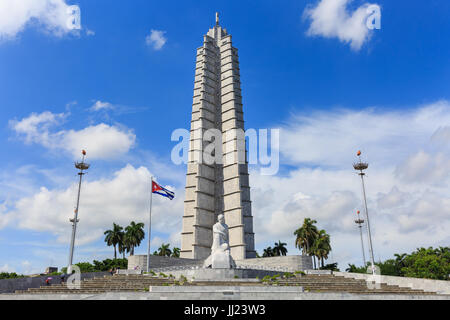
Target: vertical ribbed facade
221,187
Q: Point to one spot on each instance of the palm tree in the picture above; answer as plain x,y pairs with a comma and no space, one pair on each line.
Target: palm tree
441,251
114,237
134,234
268,252
279,248
322,247
400,262
306,236
164,250
176,252
123,247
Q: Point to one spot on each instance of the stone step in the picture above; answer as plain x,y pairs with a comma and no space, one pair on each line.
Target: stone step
138,283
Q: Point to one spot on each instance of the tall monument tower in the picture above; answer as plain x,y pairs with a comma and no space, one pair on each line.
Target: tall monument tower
221,187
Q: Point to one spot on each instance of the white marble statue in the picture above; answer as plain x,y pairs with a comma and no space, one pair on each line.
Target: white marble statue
220,257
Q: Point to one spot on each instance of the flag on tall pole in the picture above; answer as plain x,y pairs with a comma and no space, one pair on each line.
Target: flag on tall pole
156,188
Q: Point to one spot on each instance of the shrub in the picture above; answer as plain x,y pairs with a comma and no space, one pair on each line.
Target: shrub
99,266
12,275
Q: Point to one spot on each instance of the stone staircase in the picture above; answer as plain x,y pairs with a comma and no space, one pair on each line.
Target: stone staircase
332,283
141,283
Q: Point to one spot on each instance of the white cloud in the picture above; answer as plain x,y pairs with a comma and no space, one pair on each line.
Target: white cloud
6,268
331,138
393,199
5,216
101,141
407,181
331,19
156,39
121,199
35,128
50,15
423,167
100,105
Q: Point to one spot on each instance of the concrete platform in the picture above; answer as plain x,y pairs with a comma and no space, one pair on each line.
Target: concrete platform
239,293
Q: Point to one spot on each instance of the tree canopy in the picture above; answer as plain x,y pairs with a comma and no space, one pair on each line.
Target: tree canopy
312,241
427,263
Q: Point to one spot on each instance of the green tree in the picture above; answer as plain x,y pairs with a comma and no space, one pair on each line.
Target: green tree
306,236
331,266
123,247
400,263
10,275
268,252
86,267
279,249
321,246
428,263
164,250
423,263
176,252
114,237
353,268
388,267
134,234
98,266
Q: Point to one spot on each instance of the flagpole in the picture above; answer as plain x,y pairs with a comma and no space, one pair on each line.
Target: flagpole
149,225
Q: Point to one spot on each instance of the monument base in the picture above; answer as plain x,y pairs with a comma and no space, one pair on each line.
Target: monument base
287,263
222,274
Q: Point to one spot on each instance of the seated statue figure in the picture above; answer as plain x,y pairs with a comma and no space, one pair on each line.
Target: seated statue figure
220,250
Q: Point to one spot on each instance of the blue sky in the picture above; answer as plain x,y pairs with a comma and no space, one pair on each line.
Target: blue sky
389,97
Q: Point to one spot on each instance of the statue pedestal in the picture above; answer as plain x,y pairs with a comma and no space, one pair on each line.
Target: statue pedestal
221,260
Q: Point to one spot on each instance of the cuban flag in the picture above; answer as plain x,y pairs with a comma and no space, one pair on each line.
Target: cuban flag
156,188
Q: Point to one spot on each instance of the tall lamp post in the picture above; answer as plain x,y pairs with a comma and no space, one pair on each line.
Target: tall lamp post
359,222
82,166
361,166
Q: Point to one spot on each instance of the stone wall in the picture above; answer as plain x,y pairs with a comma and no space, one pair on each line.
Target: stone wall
11,285
293,263
140,262
438,286
229,275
